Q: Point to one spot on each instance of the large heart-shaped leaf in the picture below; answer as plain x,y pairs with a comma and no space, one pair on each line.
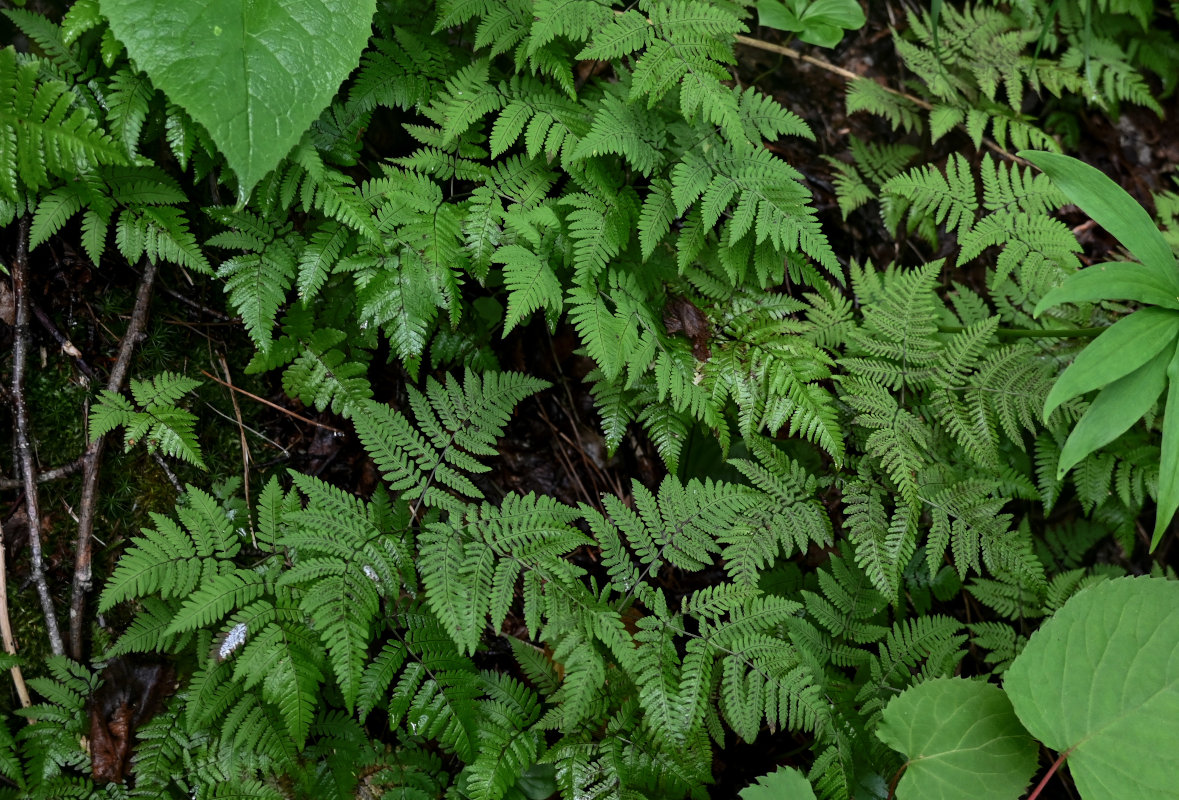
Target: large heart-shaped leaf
256,74
962,739
783,783
1100,682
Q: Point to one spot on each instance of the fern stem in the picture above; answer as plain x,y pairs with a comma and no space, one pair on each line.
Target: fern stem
1029,333
892,785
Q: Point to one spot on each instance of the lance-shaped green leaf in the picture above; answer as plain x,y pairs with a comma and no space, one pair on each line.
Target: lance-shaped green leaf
962,739
1110,207
1116,407
1100,682
1168,497
255,74
1127,345
1115,280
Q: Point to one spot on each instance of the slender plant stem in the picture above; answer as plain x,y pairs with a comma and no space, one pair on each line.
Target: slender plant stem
1048,775
92,461
266,402
892,785
23,447
245,446
1028,333
18,680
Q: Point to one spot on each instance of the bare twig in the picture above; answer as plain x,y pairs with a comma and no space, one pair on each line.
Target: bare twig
275,406
23,448
22,691
57,473
63,342
92,459
241,432
848,75
193,304
168,473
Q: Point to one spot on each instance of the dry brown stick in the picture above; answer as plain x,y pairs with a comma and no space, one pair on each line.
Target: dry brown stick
847,74
57,473
92,459
64,343
275,406
23,448
241,432
22,690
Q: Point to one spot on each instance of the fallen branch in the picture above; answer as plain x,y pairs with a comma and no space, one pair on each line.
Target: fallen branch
24,450
55,474
91,461
64,343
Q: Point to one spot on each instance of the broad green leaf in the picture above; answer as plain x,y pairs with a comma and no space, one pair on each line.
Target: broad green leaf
1127,345
1115,280
1116,407
1110,207
841,13
1168,497
962,740
818,22
1100,682
255,74
776,14
820,34
783,783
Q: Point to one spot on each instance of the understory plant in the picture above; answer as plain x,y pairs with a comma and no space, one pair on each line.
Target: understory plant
902,509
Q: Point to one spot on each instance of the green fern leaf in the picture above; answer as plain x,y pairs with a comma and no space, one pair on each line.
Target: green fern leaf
530,282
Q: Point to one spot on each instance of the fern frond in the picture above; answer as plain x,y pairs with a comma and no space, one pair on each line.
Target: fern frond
171,560
948,198
456,424
531,284
44,133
